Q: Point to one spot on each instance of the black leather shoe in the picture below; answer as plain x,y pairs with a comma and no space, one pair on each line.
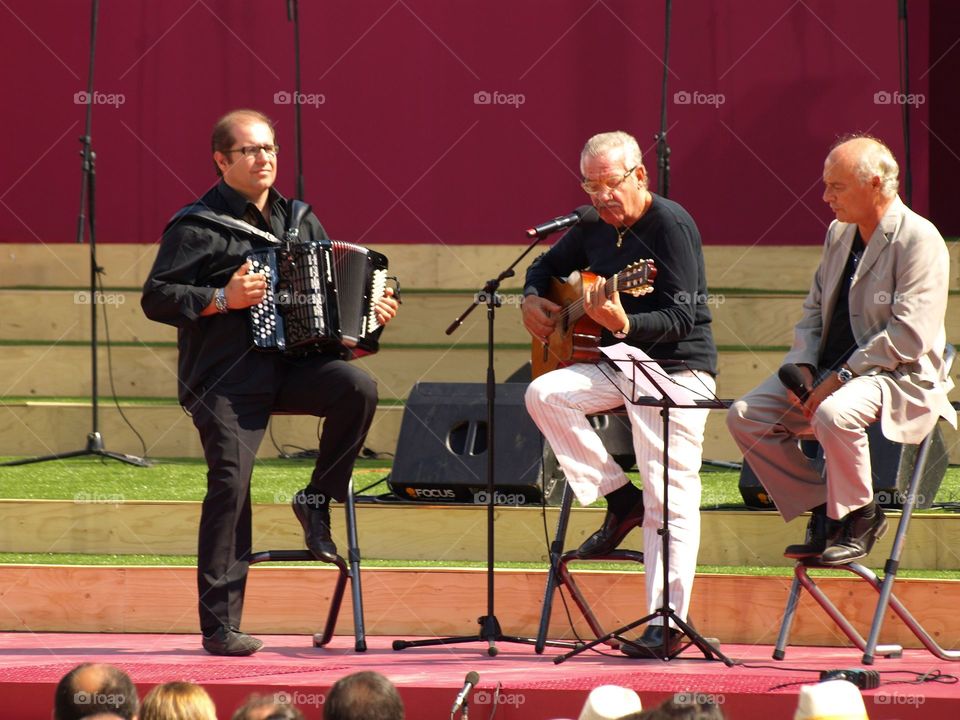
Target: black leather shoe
821,532
857,537
611,533
650,644
315,520
231,642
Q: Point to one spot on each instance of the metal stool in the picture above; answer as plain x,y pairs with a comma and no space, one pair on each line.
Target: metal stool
870,648
560,575
353,573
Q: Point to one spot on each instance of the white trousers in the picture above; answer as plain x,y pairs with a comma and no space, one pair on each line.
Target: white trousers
559,402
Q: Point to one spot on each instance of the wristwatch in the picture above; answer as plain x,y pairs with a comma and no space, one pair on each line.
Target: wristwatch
844,374
622,334
220,301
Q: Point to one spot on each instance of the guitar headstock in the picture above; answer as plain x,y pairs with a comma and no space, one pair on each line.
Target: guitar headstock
637,278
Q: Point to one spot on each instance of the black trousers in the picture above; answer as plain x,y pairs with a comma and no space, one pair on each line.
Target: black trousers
231,427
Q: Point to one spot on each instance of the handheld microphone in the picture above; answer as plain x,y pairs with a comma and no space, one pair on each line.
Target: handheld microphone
469,683
584,213
794,381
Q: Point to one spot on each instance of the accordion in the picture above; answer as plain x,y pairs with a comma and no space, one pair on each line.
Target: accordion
320,295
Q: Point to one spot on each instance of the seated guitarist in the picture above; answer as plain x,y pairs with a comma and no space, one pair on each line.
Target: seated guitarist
670,323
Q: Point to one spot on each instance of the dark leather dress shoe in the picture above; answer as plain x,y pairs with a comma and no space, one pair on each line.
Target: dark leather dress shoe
315,520
611,533
857,537
231,642
821,532
650,644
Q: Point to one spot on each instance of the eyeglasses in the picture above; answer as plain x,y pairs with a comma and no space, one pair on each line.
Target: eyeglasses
254,150
596,187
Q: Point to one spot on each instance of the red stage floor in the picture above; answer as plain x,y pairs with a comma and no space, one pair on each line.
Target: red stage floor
531,686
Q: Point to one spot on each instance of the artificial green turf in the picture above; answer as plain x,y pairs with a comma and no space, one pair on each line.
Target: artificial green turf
273,481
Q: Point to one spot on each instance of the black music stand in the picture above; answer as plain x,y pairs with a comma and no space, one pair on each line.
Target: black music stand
659,382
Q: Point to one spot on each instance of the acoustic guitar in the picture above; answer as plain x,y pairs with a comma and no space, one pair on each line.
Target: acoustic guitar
576,337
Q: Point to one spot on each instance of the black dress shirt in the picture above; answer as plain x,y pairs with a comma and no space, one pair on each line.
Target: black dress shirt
193,261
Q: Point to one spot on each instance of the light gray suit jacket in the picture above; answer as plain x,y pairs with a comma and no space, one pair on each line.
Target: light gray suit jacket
898,300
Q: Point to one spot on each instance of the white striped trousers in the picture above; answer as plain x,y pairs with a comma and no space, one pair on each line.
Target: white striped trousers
559,402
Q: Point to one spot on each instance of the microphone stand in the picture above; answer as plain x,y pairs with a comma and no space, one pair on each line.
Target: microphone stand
293,15
490,631
903,37
95,445
663,149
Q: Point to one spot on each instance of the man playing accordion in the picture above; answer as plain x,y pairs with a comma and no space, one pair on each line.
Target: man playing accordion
202,284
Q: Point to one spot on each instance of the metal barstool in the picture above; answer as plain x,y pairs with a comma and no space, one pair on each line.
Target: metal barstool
352,573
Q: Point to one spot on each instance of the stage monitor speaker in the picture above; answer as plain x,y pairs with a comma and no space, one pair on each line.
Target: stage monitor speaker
891,464
442,449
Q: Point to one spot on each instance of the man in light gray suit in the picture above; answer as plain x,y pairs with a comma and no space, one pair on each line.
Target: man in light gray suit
870,346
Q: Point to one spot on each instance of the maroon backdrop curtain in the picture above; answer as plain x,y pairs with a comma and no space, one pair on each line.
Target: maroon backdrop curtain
452,121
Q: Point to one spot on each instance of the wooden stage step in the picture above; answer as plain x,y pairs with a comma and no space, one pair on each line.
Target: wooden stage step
767,267
98,523
151,372
431,603
40,428
57,315
420,266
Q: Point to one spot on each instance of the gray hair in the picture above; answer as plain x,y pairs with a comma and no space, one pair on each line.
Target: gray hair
605,142
874,159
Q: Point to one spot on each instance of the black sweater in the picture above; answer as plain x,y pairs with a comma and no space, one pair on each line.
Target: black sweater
672,322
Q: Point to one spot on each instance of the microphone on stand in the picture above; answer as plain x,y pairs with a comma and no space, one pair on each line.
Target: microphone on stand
469,682
584,213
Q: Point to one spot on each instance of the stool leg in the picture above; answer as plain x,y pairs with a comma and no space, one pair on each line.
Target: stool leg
353,549
556,550
788,614
893,562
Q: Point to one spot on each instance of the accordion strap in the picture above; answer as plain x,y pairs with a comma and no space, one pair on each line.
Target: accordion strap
298,211
209,217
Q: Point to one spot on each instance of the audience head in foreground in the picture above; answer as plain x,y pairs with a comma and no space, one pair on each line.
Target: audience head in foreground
93,689
178,701
363,696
